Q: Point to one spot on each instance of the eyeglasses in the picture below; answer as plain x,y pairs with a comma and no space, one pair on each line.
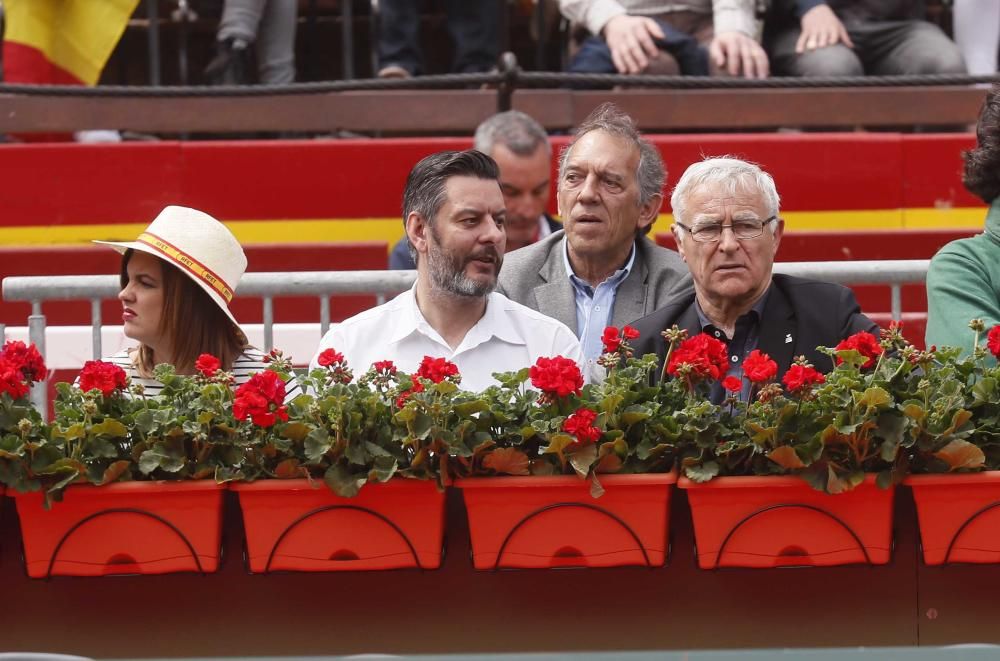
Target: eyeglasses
712,232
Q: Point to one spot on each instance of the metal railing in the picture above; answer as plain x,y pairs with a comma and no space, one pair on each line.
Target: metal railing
323,284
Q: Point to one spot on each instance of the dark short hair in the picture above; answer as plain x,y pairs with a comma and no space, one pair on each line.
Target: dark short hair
424,191
982,164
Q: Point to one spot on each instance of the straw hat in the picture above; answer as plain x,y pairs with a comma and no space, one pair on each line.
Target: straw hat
199,246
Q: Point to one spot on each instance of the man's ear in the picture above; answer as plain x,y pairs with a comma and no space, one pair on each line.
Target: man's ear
417,231
649,211
779,231
677,237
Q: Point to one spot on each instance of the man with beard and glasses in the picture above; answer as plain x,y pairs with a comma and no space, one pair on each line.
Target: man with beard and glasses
453,213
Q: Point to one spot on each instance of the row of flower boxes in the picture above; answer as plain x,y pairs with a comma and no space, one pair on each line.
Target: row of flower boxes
514,522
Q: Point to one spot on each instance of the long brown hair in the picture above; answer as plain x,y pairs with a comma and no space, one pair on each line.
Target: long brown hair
192,322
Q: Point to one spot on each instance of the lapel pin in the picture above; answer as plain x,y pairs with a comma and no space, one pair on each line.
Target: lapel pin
788,338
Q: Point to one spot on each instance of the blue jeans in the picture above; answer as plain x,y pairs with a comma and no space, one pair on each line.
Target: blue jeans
471,24
594,55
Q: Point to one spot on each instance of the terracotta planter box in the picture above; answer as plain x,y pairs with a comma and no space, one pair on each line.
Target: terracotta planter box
293,526
779,521
123,528
541,522
959,516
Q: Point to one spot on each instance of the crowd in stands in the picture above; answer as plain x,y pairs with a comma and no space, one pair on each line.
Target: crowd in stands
255,39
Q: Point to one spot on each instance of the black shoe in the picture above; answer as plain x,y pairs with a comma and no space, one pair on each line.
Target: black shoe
231,65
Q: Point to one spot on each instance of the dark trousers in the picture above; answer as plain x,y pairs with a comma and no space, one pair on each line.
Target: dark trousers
472,25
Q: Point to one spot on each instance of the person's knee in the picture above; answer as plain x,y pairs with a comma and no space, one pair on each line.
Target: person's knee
829,61
930,51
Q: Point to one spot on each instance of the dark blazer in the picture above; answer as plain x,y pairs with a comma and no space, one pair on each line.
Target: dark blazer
536,276
799,316
400,260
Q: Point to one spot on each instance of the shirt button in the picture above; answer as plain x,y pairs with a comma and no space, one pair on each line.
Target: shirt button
735,359
597,307
718,334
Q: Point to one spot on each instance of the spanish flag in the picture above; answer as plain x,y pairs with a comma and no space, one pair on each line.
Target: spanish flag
61,42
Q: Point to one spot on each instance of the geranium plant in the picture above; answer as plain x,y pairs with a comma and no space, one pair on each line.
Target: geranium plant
22,433
830,429
561,426
387,423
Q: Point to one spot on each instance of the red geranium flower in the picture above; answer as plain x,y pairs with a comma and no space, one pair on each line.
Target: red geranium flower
418,386
436,369
732,384
12,380
800,376
207,365
993,341
557,376
103,376
581,426
864,343
384,367
629,333
759,367
329,357
261,399
611,339
25,359
707,356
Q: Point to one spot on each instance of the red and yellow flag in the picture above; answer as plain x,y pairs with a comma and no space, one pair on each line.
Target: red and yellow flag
63,42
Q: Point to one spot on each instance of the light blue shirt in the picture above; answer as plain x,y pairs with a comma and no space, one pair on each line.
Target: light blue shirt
594,305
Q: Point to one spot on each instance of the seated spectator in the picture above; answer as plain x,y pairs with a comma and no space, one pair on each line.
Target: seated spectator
601,270
178,278
472,26
727,229
855,38
668,37
963,281
977,34
454,218
270,24
521,149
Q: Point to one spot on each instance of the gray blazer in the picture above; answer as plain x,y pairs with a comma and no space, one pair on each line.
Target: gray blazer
536,276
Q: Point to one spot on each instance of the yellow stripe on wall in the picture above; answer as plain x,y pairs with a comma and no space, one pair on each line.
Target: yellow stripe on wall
389,230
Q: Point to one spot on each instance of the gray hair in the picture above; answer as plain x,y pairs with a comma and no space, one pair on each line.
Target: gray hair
513,129
732,175
651,173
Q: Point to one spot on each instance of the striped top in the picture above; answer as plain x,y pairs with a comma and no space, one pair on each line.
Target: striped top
246,365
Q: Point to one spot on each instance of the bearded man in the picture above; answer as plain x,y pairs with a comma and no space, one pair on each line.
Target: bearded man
453,213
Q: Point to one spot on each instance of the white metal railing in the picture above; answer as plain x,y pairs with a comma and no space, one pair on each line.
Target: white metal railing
323,284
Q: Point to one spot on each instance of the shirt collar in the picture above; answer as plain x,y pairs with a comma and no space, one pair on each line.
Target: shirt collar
493,323
756,313
614,279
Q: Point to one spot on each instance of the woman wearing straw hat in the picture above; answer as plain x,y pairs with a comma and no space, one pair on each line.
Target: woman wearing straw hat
178,279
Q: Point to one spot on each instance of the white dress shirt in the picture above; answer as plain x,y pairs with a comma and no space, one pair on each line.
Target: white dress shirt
508,337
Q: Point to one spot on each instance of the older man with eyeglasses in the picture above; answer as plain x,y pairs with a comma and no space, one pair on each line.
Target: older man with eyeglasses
728,230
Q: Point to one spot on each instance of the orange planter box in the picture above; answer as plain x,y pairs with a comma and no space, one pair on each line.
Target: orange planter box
292,525
959,516
540,522
123,528
776,521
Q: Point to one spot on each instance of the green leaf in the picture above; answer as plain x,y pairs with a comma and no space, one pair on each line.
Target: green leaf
702,472
875,398
343,482
635,413
317,444
296,431
583,459
383,468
